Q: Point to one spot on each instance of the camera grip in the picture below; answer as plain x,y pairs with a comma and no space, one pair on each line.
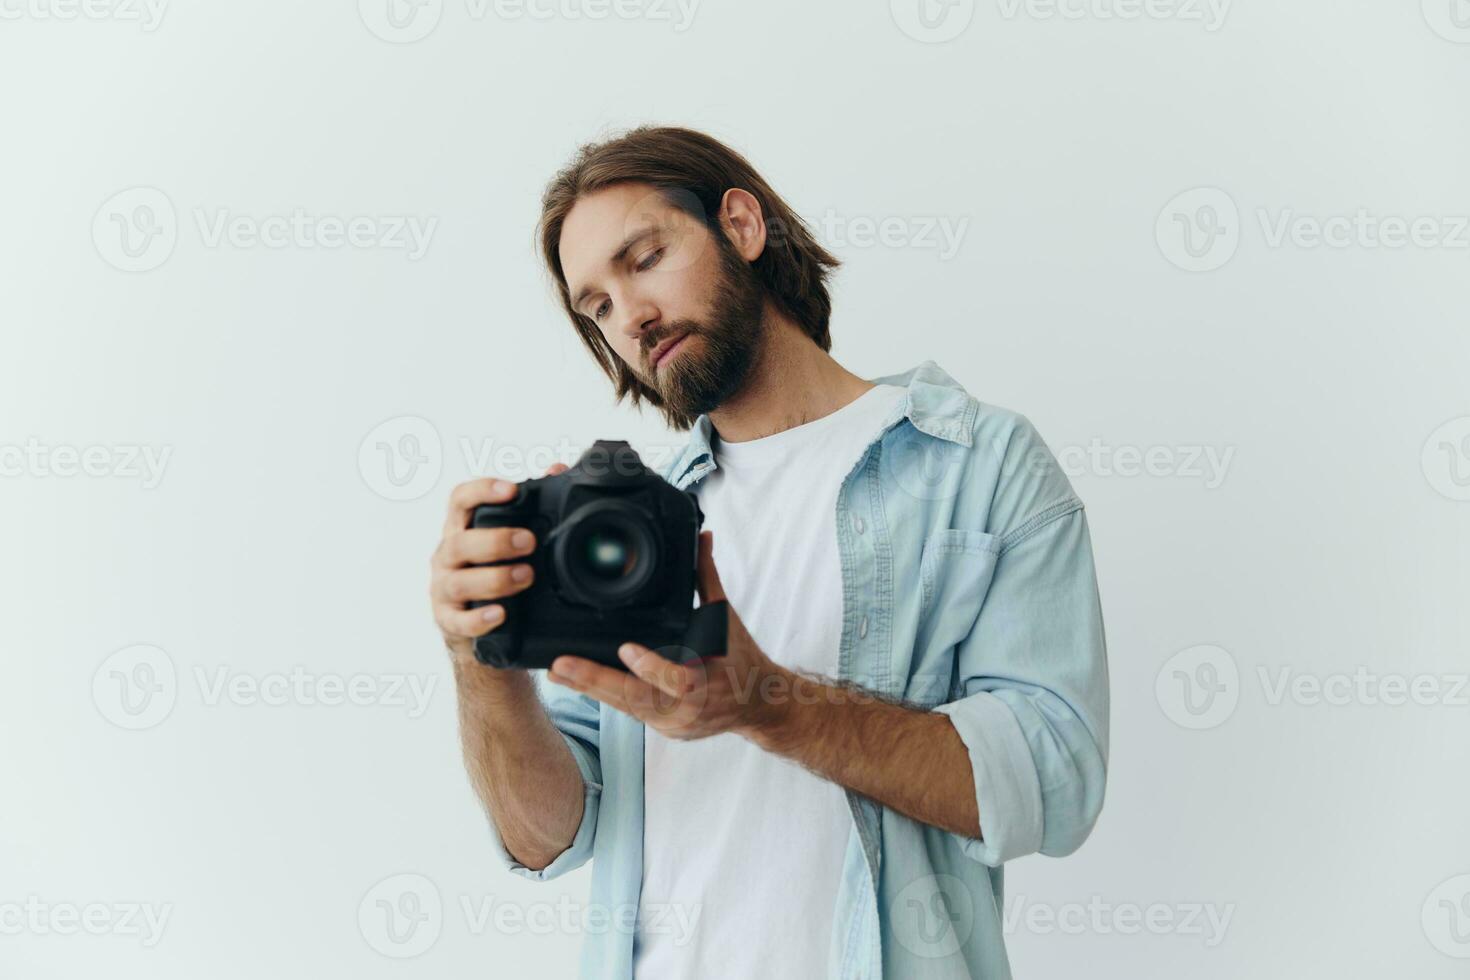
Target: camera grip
708,630
501,646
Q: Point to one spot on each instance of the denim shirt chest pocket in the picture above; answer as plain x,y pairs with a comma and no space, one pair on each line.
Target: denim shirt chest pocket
955,571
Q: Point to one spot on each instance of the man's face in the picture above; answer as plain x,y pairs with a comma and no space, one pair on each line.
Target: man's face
681,307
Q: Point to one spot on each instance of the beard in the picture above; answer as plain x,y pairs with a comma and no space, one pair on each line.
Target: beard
702,377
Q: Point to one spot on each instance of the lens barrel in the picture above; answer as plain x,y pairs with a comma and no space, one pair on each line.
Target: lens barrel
606,553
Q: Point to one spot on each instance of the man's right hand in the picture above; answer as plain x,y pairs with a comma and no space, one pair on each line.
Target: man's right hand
518,762
453,582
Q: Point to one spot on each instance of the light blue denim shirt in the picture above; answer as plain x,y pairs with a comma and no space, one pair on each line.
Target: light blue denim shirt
968,589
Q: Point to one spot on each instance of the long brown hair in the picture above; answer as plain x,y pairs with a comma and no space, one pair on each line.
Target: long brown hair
692,172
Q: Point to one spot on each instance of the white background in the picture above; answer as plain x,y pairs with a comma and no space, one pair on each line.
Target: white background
1332,834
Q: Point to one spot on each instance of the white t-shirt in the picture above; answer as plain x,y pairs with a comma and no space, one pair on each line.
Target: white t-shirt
743,844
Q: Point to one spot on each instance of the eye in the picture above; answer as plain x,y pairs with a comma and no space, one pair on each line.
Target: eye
651,260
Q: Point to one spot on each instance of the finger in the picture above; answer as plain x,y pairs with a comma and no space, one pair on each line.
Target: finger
659,672
708,579
464,498
619,689
469,622
469,584
484,544
557,468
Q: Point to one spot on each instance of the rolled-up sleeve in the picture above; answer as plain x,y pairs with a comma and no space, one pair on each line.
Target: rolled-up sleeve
578,718
1032,709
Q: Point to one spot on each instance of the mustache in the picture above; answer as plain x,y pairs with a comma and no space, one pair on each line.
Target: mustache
652,340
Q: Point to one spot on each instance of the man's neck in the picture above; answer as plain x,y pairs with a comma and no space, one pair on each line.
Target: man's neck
793,383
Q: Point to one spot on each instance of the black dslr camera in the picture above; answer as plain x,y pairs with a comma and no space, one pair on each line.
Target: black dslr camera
616,548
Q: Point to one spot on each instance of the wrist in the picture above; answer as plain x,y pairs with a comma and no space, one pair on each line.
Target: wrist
770,720
479,685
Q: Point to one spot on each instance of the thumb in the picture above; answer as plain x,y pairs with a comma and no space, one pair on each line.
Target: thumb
707,577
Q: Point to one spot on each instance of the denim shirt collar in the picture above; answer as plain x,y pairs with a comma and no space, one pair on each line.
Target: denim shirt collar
934,403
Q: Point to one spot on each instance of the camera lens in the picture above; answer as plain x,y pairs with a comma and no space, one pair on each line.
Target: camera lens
607,553
610,555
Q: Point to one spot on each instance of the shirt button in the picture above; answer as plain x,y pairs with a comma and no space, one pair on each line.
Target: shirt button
863,628
857,524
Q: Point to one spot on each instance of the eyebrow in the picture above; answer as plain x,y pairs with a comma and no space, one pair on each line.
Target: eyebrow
617,257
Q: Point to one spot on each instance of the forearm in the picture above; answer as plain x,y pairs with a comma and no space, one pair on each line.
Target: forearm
518,763
907,759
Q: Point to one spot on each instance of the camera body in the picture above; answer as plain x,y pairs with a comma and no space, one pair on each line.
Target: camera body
615,561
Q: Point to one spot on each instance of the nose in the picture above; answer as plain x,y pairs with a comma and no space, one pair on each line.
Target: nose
639,316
